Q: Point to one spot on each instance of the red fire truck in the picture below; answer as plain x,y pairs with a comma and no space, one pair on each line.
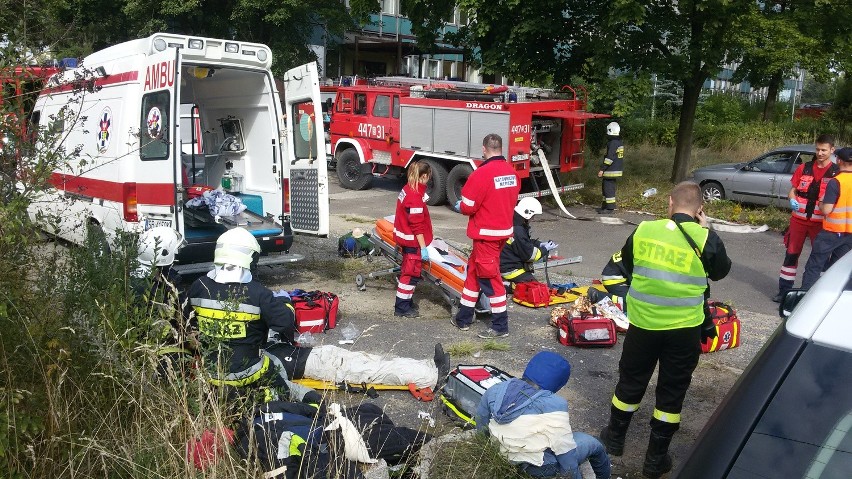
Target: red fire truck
379,129
20,87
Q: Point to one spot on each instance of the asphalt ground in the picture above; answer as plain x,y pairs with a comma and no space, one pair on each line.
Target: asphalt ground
753,280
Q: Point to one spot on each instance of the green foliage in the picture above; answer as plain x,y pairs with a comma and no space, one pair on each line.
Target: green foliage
720,108
477,457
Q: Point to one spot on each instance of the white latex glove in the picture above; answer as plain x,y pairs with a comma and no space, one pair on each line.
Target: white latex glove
549,245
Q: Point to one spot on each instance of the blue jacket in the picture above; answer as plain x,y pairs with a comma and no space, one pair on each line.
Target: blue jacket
509,401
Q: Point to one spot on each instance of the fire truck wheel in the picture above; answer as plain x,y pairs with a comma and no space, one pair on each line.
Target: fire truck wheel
455,181
349,171
437,187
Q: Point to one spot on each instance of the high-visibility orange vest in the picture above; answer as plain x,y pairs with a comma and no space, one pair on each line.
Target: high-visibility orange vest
840,218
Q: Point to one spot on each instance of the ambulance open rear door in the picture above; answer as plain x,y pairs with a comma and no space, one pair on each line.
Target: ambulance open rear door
305,160
160,149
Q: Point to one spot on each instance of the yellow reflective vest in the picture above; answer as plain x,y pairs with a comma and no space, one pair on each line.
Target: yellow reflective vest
668,283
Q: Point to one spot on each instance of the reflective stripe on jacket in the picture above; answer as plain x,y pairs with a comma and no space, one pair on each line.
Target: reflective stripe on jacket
840,218
613,163
668,282
809,191
234,321
489,198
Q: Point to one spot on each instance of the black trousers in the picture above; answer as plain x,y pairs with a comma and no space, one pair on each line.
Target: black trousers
677,352
608,187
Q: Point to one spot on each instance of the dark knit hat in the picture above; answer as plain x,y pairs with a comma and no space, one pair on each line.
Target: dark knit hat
844,154
548,370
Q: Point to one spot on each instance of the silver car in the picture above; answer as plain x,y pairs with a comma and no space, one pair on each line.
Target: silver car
764,180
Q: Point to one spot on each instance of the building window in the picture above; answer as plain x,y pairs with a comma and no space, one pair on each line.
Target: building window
389,6
460,17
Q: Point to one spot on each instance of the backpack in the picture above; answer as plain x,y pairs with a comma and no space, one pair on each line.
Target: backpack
350,247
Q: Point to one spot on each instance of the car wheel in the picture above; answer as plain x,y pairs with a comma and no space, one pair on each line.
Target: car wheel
349,171
437,186
712,191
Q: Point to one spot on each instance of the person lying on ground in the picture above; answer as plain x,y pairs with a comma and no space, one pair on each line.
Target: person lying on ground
334,364
531,424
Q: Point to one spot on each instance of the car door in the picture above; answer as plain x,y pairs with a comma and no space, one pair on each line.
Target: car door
306,161
761,181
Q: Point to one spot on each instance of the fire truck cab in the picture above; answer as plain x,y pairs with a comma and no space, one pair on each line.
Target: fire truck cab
378,130
170,115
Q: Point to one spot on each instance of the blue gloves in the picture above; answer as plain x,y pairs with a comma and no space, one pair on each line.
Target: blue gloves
794,204
457,206
549,245
424,253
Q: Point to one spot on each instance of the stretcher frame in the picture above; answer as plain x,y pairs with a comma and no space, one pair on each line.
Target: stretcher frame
430,273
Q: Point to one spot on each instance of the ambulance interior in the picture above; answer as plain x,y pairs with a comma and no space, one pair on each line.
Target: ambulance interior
229,140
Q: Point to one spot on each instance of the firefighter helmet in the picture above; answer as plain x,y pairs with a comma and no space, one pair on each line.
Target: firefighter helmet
157,246
236,247
528,207
613,129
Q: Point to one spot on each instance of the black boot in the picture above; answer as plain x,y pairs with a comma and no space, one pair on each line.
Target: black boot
442,362
612,436
657,458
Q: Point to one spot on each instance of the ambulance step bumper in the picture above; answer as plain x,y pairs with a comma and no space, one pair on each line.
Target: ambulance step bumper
268,260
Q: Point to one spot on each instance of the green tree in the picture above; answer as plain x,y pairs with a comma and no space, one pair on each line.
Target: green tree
779,37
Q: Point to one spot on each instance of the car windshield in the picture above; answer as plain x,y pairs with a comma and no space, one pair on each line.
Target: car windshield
806,430
773,163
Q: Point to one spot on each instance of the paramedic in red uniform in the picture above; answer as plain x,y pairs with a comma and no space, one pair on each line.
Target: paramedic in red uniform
412,231
489,199
809,183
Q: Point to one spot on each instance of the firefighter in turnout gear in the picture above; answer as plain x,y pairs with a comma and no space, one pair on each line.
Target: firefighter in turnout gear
835,239
412,230
236,315
611,168
616,280
809,182
488,198
669,272
521,251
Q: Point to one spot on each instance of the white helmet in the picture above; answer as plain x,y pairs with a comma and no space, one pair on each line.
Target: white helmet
528,207
157,246
613,129
236,247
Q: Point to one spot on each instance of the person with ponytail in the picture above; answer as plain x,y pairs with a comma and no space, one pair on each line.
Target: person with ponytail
412,230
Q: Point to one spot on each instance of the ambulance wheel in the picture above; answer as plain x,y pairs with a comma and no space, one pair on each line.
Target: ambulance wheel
455,181
350,172
437,187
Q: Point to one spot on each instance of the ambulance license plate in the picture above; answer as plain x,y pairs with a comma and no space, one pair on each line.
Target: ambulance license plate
155,223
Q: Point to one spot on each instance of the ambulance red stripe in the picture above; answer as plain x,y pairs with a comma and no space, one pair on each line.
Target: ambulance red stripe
103,81
160,194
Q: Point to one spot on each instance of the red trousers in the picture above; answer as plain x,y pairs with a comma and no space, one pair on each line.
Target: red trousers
483,275
409,276
794,240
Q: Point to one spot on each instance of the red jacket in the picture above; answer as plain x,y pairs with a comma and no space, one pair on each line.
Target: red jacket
489,198
412,217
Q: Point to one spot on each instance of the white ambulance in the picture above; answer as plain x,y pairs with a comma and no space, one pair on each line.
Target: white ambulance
171,109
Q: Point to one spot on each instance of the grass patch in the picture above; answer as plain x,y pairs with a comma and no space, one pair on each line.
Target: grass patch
468,348
649,166
476,457
358,219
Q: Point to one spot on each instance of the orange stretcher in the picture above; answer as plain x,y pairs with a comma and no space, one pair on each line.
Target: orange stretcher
448,275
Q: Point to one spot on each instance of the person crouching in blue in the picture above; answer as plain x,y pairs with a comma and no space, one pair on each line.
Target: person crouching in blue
531,424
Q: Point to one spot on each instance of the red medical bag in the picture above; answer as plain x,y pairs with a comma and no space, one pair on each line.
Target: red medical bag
316,311
727,328
587,331
532,294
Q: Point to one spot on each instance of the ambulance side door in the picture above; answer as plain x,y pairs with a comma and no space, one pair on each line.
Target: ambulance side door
305,162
